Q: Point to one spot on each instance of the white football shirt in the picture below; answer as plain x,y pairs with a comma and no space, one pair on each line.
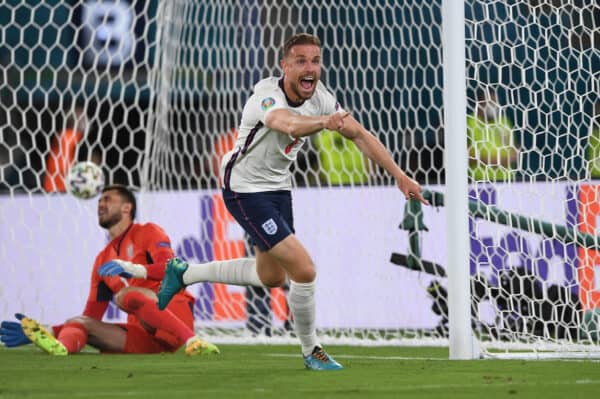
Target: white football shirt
261,157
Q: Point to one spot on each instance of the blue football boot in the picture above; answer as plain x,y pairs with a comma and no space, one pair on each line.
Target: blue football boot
320,360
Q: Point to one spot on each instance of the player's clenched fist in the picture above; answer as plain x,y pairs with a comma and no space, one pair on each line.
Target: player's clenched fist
336,121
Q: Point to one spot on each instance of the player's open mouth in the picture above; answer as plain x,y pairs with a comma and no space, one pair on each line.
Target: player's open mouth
307,82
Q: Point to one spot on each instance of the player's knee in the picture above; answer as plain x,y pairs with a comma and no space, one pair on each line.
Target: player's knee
130,300
305,275
275,281
84,320
119,298
124,297
308,273
305,272
273,278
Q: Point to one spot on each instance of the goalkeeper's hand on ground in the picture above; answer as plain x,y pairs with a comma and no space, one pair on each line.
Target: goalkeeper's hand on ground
123,268
11,333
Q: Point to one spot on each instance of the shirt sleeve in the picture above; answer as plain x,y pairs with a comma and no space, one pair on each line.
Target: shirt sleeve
101,292
158,250
260,105
329,104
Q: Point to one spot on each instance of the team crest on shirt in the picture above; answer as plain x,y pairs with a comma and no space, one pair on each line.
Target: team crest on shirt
130,251
270,227
267,103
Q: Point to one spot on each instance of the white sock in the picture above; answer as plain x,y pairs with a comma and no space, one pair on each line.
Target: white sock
301,300
241,271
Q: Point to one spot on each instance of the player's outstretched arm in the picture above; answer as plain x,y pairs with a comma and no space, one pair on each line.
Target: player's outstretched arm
376,152
123,268
11,333
284,121
153,271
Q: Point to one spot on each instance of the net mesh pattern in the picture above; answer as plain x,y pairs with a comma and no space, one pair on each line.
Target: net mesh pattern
153,92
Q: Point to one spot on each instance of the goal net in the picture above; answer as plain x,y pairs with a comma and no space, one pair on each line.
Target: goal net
153,91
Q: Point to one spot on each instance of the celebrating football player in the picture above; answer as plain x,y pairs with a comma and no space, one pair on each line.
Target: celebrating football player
256,179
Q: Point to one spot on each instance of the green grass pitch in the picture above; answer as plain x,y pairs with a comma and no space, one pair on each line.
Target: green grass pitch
268,371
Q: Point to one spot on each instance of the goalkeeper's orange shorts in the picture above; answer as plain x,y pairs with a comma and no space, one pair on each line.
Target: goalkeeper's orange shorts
139,340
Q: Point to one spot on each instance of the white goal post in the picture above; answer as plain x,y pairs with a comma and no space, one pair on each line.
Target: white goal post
462,341
492,105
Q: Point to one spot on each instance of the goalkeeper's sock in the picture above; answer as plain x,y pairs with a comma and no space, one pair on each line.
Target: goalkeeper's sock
73,336
145,309
241,271
301,300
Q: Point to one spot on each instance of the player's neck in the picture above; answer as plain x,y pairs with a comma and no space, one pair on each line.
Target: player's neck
119,228
292,100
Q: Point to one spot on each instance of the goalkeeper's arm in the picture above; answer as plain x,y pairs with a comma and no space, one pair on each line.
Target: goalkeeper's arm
123,268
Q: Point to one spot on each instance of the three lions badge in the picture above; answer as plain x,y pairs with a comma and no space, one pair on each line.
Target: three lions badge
270,227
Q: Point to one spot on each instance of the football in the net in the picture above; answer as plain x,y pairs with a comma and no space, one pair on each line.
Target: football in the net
85,180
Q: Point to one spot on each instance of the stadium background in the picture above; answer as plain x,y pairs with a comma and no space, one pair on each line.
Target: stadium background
499,57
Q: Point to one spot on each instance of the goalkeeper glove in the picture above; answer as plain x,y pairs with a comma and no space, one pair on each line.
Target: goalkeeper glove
123,268
11,333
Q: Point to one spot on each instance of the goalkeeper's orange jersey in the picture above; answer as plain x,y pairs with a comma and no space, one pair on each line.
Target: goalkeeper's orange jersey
145,244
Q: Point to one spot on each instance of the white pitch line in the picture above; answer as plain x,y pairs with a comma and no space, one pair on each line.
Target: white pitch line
428,358
362,357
